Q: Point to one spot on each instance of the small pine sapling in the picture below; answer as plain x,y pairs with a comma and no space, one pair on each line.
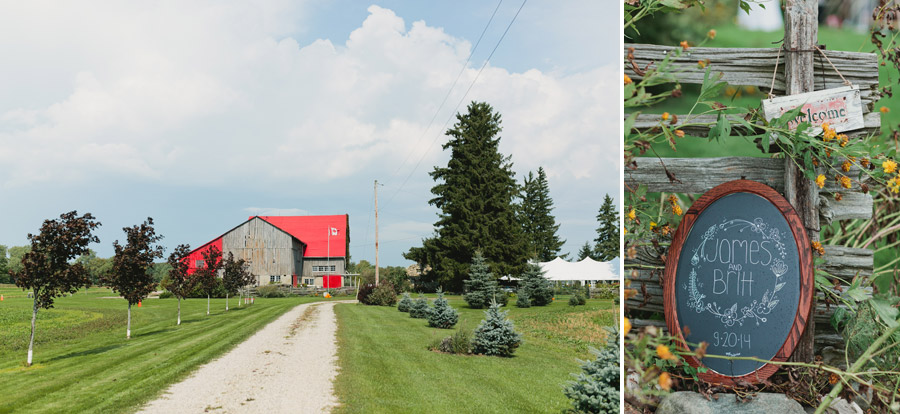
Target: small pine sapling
481,285
405,303
442,315
496,334
419,308
596,388
538,287
522,299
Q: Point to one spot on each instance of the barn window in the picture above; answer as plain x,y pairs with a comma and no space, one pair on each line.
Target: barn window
274,278
199,263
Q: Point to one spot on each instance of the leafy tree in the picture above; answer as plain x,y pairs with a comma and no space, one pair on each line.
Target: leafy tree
206,275
48,269
130,275
607,241
586,251
4,265
159,271
535,285
16,253
442,315
97,267
596,388
178,281
496,334
475,194
235,275
538,224
481,287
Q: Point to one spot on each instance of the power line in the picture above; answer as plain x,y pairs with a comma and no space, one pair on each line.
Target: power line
441,106
477,75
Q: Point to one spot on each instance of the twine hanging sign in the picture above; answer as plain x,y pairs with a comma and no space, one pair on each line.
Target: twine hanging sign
840,107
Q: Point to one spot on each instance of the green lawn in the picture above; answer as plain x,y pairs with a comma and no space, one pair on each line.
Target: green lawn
387,368
83,363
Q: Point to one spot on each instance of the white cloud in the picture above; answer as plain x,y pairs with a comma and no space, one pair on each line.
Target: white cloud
214,93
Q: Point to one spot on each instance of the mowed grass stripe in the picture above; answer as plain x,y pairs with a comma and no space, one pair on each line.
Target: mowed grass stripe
386,367
104,372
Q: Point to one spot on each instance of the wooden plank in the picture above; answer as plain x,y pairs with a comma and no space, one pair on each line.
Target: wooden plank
755,66
801,32
698,175
848,262
698,125
851,206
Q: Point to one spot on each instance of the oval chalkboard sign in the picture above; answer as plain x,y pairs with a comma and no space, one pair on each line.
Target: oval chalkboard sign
739,277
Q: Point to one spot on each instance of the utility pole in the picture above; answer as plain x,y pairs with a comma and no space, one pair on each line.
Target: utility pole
376,232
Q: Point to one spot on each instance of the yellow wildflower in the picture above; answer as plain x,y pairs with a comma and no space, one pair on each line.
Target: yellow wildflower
864,162
889,166
652,225
665,381
632,215
679,133
820,180
627,80
684,45
701,64
833,378
663,352
894,184
845,181
846,166
677,210
884,109
711,33
665,116
829,134
627,325
817,247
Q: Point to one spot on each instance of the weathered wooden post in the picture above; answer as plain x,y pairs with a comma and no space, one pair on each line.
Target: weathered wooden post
801,32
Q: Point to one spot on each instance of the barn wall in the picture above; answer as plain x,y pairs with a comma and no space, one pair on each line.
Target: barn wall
268,250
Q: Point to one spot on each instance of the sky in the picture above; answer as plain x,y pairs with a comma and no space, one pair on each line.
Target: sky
200,114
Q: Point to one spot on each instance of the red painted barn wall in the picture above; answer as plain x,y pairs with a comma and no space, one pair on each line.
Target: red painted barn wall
332,281
198,254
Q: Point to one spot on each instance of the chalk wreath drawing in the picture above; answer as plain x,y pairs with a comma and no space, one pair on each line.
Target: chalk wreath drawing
757,310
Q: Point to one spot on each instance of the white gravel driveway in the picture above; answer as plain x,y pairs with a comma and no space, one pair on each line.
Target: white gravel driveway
286,367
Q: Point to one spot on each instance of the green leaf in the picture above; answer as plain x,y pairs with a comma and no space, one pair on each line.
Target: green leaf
886,311
745,7
857,294
675,4
629,123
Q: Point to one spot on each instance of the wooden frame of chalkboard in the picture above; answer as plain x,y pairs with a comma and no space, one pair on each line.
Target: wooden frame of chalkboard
806,276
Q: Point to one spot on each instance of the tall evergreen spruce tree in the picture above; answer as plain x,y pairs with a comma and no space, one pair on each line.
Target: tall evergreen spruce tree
607,241
586,251
538,224
475,193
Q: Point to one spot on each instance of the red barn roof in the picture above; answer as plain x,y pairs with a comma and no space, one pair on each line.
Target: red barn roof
316,232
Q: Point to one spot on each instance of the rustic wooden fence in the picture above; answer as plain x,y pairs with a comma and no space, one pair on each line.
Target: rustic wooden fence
800,69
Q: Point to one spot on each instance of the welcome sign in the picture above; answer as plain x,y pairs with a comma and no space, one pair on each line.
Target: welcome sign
739,277
840,107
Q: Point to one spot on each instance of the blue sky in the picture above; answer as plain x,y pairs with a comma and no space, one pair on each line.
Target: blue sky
202,114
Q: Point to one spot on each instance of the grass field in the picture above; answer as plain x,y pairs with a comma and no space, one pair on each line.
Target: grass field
387,368
83,363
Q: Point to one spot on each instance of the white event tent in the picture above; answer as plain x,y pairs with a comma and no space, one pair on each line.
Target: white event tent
587,270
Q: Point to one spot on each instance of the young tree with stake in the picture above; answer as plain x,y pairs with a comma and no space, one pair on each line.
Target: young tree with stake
235,275
130,275
47,268
179,282
206,275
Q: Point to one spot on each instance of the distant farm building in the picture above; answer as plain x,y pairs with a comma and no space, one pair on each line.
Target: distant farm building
296,250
